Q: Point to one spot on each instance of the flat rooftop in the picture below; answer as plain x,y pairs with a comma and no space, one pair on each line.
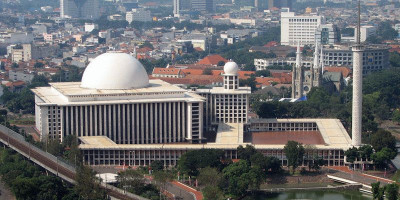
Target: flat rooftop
330,135
282,137
69,93
231,133
74,89
222,90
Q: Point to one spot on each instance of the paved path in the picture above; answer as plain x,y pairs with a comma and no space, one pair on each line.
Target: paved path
198,195
5,193
179,190
45,160
366,179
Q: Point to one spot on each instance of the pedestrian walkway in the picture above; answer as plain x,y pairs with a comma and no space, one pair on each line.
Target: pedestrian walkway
366,179
197,194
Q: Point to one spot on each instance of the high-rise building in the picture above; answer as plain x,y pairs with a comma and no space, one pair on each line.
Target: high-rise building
177,7
203,5
327,34
81,9
299,29
269,4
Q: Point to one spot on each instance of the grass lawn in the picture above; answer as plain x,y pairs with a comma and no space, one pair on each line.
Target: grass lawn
23,121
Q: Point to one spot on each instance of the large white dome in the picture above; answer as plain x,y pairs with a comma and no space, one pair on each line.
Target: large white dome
231,68
113,71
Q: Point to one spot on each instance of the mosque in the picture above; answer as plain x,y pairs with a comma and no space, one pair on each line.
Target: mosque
123,118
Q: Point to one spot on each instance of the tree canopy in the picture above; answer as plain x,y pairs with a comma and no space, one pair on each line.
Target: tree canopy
294,152
191,162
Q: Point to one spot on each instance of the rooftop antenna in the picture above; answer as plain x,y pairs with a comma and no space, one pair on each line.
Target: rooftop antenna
359,23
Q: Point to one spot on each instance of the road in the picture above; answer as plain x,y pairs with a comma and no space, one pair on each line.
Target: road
41,159
177,191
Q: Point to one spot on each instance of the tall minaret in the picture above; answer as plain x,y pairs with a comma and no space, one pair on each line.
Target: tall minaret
358,50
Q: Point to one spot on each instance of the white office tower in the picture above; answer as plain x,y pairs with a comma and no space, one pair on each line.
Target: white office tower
117,100
176,8
358,51
80,9
138,15
299,29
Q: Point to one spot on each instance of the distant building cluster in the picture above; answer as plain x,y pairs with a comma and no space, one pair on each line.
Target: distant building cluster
82,9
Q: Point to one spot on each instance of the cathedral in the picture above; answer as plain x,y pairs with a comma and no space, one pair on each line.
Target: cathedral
305,78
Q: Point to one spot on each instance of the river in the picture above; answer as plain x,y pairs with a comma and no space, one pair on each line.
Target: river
312,195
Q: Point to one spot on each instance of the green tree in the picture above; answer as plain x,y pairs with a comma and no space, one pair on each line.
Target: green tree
246,152
24,188
54,147
38,65
250,82
209,177
365,152
14,65
264,73
352,154
396,116
88,185
157,165
381,157
241,177
192,161
162,178
394,59
39,81
294,152
383,138
317,163
392,191
375,189
381,193
212,193
131,180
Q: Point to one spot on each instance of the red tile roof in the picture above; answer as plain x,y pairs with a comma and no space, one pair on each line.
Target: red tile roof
212,60
284,77
344,70
172,71
242,74
193,71
271,44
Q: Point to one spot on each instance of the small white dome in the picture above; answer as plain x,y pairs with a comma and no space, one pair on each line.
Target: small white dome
112,71
231,68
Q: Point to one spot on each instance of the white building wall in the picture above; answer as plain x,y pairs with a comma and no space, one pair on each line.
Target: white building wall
300,29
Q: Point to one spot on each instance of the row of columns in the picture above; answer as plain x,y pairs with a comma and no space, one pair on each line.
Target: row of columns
170,157
142,123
